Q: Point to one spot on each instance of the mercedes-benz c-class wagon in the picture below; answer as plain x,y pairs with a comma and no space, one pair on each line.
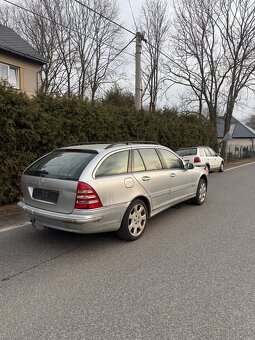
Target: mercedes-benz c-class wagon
108,187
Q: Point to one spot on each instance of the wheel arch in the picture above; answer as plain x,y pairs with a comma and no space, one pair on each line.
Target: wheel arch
146,201
205,178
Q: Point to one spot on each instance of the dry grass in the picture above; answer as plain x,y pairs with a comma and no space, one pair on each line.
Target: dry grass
232,164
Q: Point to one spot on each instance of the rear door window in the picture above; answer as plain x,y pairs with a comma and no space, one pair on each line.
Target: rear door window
151,159
171,160
115,164
207,152
201,152
212,152
138,164
62,164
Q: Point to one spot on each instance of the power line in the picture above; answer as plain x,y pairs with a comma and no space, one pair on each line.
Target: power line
124,28
117,24
91,9
103,16
59,24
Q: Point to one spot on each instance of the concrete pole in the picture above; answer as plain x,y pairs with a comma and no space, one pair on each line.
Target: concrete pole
138,53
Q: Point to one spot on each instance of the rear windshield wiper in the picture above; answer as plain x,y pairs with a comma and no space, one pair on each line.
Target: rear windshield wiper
37,172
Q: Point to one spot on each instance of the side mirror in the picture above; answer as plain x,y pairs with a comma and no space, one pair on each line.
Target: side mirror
189,166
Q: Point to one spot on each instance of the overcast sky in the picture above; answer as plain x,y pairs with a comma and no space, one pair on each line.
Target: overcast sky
126,14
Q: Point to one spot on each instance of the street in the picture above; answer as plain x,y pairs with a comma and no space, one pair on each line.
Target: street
191,275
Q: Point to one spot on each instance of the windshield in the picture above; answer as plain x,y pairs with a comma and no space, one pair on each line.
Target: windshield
62,164
187,152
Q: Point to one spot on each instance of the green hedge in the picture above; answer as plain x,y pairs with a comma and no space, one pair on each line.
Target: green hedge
30,128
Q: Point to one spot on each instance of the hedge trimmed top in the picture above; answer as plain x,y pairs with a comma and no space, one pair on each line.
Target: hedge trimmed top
29,128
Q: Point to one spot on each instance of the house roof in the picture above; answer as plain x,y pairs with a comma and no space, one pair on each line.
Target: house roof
237,129
13,43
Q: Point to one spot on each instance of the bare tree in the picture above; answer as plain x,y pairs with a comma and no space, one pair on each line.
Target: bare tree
251,121
196,61
214,52
105,41
40,33
80,45
84,46
237,29
155,24
60,13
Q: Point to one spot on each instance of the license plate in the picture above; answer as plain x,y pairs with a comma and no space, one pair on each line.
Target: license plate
45,195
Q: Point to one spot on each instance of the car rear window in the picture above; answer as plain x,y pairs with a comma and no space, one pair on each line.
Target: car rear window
62,164
187,152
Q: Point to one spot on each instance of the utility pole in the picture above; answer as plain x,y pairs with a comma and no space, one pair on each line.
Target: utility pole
138,81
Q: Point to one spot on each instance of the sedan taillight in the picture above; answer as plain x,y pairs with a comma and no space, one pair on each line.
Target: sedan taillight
86,197
197,160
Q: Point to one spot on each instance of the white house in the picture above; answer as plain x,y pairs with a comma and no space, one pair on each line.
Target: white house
242,142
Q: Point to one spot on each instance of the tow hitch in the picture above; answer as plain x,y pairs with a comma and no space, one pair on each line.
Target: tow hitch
36,225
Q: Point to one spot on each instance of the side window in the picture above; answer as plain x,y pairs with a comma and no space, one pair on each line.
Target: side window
212,152
150,159
138,164
207,153
171,160
114,164
201,152
10,74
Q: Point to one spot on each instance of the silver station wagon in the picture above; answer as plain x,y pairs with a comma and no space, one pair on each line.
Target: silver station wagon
108,187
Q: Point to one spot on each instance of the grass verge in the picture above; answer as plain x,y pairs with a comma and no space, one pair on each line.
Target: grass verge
232,164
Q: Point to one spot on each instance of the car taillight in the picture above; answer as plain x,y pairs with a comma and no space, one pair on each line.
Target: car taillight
197,160
86,197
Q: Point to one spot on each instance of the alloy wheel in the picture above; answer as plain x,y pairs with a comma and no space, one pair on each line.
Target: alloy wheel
137,220
202,192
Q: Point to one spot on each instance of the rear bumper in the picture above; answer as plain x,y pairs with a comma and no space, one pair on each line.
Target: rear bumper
92,221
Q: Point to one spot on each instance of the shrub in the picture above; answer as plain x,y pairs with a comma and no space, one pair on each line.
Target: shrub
29,128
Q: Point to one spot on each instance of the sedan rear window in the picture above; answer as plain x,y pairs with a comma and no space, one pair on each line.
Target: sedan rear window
62,164
187,152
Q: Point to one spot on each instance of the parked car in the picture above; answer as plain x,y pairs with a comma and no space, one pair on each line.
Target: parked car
108,187
202,156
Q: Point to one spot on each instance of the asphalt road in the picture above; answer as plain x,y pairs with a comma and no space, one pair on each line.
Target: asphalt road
191,275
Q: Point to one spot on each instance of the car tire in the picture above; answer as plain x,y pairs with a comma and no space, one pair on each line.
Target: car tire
201,192
134,221
221,169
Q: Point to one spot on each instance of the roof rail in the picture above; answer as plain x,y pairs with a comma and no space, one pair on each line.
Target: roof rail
130,142
86,143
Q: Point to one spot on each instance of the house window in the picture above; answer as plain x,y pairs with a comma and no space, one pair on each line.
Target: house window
10,74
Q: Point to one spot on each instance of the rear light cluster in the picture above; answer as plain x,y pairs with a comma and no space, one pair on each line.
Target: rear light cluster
197,160
86,197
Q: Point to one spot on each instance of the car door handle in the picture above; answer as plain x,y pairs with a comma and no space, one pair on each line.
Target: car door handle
173,175
146,178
